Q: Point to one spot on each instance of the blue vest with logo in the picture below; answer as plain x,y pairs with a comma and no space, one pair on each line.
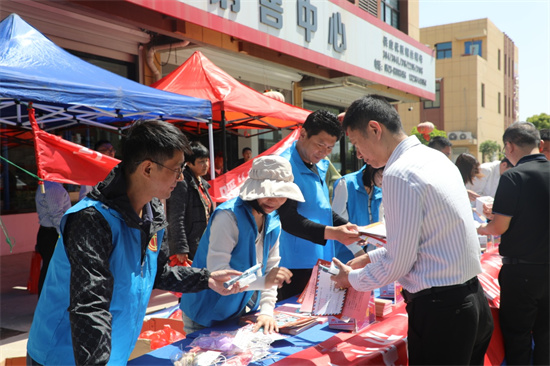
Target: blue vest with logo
358,207
297,253
207,307
50,335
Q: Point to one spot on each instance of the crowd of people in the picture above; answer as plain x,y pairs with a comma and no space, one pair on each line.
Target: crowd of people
152,224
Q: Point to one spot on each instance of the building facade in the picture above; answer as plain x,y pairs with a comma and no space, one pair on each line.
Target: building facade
317,53
476,84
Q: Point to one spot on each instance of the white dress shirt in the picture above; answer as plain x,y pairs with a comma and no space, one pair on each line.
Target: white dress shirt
431,237
52,204
224,234
487,184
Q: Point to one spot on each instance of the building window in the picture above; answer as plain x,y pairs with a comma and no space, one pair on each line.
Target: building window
428,104
472,48
370,6
444,50
498,59
482,95
498,103
390,12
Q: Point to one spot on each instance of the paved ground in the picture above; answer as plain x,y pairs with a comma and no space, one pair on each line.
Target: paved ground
17,305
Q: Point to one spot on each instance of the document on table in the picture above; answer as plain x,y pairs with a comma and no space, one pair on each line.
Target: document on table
328,299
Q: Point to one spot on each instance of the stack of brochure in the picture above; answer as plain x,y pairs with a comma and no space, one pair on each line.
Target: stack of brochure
374,233
288,323
383,307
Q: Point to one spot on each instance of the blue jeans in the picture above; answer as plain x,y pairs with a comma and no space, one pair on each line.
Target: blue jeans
190,326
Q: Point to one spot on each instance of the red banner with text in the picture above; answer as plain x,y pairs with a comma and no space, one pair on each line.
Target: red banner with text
227,186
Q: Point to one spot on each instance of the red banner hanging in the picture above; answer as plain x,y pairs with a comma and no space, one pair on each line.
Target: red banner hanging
227,186
62,161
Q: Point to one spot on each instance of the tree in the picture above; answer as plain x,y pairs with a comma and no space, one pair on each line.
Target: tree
540,120
488,149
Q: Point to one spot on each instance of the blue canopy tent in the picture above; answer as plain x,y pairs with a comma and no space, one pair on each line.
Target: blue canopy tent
66,90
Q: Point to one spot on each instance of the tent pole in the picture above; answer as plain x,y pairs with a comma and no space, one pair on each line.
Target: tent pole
211,148
224,144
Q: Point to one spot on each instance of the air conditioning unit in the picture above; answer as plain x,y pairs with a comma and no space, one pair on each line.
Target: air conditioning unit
459,135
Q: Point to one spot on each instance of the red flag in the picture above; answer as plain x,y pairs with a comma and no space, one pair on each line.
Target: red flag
62,161
227,186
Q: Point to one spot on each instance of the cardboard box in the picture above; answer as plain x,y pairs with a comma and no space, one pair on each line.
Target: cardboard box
142,347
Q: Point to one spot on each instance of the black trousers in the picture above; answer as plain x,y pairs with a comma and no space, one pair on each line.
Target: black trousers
31,362
452,327
45,245
524,313
299,280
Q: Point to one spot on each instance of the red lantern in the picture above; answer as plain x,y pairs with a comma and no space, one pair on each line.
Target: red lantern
425,128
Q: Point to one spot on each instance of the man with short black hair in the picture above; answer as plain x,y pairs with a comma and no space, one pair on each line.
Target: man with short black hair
521,216
310,227
110,255
432,248
247,155
442,144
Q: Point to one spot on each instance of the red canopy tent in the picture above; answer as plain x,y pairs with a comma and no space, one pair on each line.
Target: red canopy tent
234,105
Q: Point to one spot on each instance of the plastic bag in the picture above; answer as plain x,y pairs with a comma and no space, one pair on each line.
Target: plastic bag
216,341
163,337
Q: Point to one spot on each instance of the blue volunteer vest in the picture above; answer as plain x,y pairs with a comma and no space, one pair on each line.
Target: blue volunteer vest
50,335
358,207
297,253
207,307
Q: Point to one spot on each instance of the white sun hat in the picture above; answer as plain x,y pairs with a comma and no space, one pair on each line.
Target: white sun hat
270,176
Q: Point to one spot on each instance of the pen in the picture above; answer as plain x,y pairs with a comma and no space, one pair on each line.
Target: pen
244,274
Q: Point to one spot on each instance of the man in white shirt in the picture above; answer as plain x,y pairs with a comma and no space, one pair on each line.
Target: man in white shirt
487,182
432,247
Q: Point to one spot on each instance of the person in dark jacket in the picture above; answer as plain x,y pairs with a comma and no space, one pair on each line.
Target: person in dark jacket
190,206
111,254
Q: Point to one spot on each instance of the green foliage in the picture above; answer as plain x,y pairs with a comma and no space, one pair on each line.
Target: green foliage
434,133
488,149
540,120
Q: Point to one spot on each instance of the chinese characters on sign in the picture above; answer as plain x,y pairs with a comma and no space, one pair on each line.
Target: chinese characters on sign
271,14
322,29
403,58
336,30
235,7
307,17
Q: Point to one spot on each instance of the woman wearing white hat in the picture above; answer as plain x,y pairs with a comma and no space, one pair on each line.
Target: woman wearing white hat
244,232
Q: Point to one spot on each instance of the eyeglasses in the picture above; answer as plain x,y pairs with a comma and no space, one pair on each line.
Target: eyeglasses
178,171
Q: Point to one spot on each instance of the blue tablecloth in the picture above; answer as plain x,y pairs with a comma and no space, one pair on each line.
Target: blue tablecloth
288,346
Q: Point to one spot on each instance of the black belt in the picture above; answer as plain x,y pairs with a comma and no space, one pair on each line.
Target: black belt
510,260
409,297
